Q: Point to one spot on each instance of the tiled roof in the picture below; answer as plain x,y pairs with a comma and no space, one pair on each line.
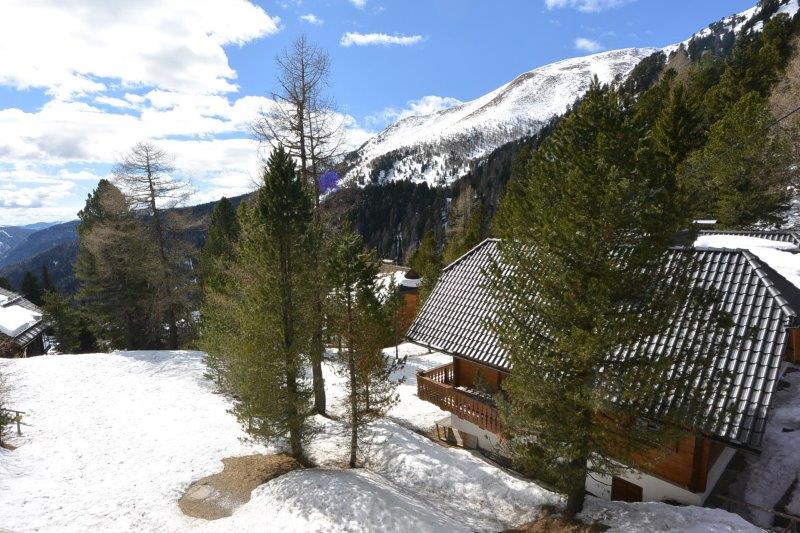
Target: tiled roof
772,235
454,316
8,298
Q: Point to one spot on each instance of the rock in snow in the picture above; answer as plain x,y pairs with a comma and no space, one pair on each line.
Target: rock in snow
113,440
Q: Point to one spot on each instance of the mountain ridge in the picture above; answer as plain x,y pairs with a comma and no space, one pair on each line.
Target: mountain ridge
439,147
473,129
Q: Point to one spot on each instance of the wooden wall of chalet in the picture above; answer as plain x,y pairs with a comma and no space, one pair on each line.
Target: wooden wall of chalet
466,373
409,309
793,346
688,464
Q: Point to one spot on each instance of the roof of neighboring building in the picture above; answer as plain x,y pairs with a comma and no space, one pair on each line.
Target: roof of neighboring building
454,316
387,266
20,319
772,235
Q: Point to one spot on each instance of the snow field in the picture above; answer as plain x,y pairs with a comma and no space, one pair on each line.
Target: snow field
115,439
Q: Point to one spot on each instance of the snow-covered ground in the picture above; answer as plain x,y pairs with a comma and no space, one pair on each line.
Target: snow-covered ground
768,476
113,440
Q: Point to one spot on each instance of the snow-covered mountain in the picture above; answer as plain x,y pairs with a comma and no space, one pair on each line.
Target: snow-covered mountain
437,148
11,236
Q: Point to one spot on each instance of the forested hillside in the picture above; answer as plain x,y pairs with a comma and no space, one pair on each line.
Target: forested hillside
56,247
755,55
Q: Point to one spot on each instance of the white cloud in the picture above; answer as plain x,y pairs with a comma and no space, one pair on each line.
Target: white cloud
311,18
31,197
360,4
79,47
119,73
424,106
379,39
207,134
587,6
587,45
114,102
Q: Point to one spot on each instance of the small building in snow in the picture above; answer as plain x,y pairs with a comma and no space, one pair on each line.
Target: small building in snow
407,282
21,326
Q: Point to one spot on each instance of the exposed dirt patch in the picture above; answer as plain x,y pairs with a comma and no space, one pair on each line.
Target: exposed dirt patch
218,495
553,522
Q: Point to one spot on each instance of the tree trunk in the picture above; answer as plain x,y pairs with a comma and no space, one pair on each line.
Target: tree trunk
351,366
295,439
578,468
162,255
287,297
575,501
353,410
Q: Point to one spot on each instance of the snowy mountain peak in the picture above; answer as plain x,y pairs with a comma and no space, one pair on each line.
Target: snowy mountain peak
438,148
415,147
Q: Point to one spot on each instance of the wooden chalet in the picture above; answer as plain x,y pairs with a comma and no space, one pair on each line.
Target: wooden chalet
21,326
408,283
453,321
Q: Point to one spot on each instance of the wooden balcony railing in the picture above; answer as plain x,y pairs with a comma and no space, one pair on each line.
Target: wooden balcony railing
436,386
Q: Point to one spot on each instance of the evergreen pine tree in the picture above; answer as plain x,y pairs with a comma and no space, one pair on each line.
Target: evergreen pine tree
70,329
393,304
223,231
47,284
358,319
744,173
31,288
257,317
5,283
115,272
427,262
585,230
679,128
467,225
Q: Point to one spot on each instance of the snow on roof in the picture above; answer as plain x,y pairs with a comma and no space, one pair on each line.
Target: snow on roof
14,320
384,281
19,318
781,256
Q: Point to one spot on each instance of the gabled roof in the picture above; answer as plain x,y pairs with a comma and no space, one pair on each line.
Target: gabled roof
24,318
453,320
772,235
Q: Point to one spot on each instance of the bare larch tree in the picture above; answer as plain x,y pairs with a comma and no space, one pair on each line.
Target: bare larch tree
145,175
302,120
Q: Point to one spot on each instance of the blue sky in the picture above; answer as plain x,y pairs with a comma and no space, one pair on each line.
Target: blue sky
88,78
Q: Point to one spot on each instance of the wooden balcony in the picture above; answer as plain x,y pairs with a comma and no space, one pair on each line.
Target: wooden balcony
436,386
